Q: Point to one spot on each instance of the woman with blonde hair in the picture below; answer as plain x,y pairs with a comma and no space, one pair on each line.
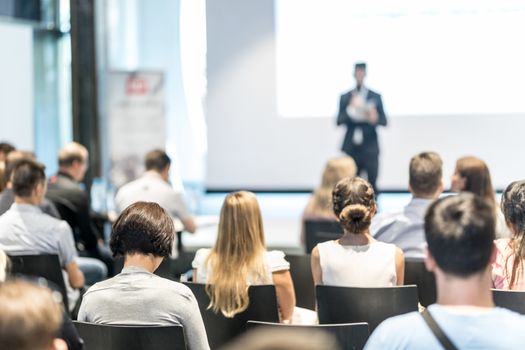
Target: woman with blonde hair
356,259
320,203
239,259
472,175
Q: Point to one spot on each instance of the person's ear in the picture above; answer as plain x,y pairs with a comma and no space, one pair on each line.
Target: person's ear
430,263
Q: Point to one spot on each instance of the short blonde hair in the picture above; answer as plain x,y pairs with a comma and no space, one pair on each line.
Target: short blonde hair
31,316
72,152
335,170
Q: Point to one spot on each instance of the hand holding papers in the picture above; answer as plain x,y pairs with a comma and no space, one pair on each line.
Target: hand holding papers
360,110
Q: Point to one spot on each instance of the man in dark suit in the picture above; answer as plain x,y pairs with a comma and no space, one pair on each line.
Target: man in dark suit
361,110
66,192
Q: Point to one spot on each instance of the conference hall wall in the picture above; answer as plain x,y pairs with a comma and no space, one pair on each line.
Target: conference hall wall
275,75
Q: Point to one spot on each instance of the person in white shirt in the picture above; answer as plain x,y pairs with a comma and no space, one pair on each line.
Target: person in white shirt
154,186
405,228
356,259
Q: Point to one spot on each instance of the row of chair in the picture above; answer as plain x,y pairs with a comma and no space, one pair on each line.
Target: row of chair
336,305
415,273
110,337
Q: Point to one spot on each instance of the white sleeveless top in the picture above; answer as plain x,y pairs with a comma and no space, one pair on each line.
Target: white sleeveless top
372,265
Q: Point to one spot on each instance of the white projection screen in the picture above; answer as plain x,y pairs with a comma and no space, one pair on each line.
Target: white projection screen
451,75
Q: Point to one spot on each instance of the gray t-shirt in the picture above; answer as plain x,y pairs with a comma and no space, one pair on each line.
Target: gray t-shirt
138,297
25,229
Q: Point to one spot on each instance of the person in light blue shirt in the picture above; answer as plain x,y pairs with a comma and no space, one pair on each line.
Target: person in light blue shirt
460,234
405,228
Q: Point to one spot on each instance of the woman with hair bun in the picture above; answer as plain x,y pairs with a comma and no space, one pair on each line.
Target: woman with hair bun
356,259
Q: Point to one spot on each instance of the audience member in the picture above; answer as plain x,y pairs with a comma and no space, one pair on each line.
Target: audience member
68,332
239,258
356,259
284,339
5,149
7,197
507,270
143,234
460,236
473,175
25,229
66,192
154,186
30,319
405,228
319,205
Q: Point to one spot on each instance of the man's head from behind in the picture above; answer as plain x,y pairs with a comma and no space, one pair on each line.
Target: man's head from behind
157,160
426,175
460,232
28,180
30,319
73,160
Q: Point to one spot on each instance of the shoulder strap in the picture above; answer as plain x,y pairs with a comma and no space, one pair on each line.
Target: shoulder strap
438,332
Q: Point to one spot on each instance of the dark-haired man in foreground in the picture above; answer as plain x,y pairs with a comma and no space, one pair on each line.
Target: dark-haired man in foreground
460,236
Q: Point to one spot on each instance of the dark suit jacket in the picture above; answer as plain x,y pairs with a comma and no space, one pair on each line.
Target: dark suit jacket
369,144
73,205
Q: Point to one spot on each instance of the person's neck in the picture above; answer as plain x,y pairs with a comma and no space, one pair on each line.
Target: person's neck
27,200
474,290
67,172
147,262
356,238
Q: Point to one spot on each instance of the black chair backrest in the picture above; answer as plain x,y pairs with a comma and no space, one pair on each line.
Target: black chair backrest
371,305
416,273
510,299
320,230
349,335
303,282
221,329
111,337
44,265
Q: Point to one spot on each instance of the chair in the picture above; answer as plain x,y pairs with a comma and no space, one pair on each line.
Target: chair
510,299
371,305
44,265
320,230
416,273
221,329
303,282
111,337
349,335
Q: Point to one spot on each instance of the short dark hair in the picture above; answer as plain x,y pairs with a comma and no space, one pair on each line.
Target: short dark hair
6,148
360,65
156,160
26,175
143,228
425,173
353,202
460,232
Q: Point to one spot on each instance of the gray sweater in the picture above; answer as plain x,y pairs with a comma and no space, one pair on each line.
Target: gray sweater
138,297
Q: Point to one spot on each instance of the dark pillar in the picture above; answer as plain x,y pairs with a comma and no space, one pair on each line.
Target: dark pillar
84,83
